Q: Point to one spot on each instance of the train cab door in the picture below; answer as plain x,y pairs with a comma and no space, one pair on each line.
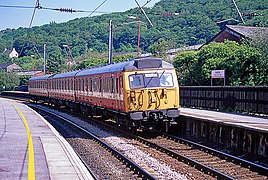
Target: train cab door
119,82
115,92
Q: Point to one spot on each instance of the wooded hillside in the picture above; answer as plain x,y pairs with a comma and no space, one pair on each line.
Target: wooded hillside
194,24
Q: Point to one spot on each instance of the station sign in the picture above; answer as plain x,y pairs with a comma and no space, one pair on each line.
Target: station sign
218,74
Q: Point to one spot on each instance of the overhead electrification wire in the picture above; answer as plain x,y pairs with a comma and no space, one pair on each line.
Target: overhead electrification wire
37,6
141,6
60,9
97,8
18,7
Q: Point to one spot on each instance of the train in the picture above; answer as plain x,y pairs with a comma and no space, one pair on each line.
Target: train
138,94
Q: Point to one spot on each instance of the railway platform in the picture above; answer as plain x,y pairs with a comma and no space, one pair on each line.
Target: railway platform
241,135
259,123
30,148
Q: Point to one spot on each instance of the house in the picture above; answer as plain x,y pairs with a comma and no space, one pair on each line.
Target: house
11,54
238,33
9,67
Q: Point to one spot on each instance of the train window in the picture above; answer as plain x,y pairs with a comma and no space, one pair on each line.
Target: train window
151,80
106,84
84,85
120,84
114,85
90,84
100,85
166,79
117,85
136,81
95,84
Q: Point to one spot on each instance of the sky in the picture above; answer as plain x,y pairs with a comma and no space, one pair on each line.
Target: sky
21,17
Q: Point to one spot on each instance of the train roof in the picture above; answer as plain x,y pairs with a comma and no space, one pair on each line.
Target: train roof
40,77
67,74
142,63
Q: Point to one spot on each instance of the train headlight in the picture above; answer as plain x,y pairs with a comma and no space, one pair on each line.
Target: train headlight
132,94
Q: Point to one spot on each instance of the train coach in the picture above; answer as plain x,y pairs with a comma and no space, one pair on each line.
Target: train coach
138,94
38,87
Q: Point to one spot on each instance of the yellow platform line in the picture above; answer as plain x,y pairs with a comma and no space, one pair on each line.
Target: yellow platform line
31,168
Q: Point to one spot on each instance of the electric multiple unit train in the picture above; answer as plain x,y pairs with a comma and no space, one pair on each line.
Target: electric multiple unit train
138,94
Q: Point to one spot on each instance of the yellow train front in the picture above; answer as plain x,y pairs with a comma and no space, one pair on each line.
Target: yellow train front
151,93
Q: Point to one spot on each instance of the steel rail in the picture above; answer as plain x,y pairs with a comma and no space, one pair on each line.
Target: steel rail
129,163
193,163
189,161
242,162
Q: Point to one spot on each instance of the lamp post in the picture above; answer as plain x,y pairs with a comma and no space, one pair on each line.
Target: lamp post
139,32
110,52
69,55
111,28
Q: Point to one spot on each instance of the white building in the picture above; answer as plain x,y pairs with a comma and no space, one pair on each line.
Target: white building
11,54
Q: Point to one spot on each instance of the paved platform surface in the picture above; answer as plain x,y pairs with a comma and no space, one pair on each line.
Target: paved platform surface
30,148
244,121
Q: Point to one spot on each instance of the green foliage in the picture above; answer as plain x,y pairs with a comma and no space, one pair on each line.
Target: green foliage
4,58
260,43
160,47
24,80
8,81
241,63
195,24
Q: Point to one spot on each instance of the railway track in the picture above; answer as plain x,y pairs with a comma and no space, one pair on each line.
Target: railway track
101,159
192,160
156,163
213,163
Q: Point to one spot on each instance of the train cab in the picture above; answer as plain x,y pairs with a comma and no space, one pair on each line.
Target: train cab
151,91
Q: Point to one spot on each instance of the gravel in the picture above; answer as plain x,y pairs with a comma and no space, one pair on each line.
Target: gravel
159,169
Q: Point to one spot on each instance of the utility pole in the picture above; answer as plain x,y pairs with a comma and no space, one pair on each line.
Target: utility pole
110,53
139,33
34,64
139,36
44,59
69,56
143,12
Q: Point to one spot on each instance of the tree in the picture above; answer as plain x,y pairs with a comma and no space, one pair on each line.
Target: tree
241,63
159,48
8,81
260,42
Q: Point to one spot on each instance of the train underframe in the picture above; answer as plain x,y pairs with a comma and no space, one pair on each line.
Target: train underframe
152,121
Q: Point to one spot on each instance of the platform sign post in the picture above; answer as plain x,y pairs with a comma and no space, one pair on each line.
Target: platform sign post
218,74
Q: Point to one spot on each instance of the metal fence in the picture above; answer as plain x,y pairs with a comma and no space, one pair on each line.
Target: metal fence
246,99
